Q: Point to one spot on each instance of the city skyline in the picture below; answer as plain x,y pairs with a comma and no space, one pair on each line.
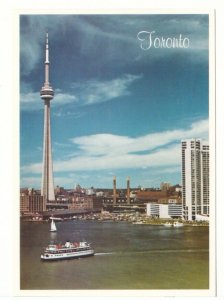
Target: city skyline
118,110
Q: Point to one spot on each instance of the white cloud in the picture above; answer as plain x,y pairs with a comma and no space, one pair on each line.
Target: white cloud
103,31
65,180
95,91
31,101
64,98
168,170
107,151
103,144
85,93
32,38
62,145
30,181
33,32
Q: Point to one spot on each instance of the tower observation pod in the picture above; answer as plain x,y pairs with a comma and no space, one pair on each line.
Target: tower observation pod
47,94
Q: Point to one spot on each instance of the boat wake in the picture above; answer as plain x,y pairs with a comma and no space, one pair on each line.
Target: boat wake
154,251
105,253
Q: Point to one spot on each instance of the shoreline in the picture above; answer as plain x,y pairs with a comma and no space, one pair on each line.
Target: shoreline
132,218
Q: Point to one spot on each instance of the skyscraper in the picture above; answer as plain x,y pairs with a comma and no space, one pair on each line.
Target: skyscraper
47,94
195,178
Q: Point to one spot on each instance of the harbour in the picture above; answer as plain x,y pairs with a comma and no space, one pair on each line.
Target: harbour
127,256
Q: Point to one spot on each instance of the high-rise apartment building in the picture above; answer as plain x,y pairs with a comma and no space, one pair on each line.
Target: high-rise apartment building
195,178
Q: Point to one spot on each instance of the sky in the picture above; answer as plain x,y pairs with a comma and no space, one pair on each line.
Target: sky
121,108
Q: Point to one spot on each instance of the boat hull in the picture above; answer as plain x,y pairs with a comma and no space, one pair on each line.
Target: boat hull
62,256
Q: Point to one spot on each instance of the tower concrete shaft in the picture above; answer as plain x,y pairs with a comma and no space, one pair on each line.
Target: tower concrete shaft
47,94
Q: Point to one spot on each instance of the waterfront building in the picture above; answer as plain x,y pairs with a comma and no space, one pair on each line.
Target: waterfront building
47,94
119,200
178,189
172,201
151,196
164,186
164,211
24,203
97,202
81,203
31,203
195,178
90,192
100,194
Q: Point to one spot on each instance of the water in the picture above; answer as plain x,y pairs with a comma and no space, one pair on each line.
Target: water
127,257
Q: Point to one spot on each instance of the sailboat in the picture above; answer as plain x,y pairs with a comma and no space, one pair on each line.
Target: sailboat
53,226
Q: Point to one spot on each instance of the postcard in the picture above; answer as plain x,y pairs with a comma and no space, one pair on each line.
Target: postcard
117,143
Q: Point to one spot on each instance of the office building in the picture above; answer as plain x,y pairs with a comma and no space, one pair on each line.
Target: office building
164,211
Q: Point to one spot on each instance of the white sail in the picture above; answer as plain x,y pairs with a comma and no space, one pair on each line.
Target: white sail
53,226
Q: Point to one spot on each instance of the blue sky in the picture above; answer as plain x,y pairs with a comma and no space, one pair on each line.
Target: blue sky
118,110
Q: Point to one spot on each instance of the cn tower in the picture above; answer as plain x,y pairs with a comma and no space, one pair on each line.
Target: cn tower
47,94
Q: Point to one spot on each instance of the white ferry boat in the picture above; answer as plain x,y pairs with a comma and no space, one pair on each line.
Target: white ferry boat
66,251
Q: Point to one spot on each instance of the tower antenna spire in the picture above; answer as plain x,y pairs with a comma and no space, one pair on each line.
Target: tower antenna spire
47,49
47,63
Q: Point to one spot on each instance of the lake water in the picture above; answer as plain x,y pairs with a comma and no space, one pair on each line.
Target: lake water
127,256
